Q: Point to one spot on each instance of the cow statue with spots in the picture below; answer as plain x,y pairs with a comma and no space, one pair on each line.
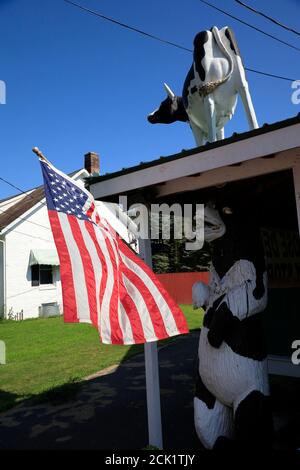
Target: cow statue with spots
231,404
211,88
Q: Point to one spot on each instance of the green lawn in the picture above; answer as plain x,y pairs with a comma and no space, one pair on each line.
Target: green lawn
48,354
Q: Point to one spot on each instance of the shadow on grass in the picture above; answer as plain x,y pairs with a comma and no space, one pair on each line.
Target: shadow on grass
65,387
54,395
109,410
60,394
8,400
67,391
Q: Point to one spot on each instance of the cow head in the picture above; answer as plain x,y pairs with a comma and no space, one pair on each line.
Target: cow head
214,226
170,110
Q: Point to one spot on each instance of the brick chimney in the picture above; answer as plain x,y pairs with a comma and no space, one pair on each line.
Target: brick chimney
92,164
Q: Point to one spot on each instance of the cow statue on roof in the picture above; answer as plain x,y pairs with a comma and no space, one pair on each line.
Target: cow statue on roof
210,90
232,403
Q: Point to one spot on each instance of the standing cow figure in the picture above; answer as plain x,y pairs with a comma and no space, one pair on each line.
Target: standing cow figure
210,90
231,403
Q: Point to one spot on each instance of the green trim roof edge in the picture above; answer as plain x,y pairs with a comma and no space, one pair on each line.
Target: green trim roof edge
236,137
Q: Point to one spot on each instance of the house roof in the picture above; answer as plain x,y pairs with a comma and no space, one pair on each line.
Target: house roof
236,137
26,203
21,207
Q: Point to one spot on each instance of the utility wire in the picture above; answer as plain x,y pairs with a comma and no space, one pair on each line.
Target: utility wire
28,221
270,75
26,195
178,46
127,26
249,25
24,292
15,187
267,17
33,236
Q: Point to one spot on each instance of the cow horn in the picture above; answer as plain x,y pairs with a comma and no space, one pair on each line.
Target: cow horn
169,91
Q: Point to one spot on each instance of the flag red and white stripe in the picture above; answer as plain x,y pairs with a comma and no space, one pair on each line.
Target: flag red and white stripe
103,281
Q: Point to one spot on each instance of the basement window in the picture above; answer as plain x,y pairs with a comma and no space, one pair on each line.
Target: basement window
41,274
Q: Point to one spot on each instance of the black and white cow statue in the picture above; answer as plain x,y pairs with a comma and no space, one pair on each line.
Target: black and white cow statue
211,88
231,404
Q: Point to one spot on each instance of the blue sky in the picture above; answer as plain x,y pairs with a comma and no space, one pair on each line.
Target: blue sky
76,83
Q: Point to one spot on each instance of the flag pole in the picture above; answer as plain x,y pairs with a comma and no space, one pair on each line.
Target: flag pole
151,357
37,151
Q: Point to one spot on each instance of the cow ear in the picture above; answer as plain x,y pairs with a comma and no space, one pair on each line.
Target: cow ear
169,91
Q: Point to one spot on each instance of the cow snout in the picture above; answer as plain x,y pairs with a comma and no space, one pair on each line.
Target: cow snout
151,118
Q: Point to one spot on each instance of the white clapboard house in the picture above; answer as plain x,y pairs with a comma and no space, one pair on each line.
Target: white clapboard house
29,266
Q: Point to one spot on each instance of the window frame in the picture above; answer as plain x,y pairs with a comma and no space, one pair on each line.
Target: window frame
38,275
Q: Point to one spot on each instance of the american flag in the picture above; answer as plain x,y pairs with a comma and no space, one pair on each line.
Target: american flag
103,281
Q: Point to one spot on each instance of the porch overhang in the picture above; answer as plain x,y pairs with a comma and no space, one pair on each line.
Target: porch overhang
269,150
265,150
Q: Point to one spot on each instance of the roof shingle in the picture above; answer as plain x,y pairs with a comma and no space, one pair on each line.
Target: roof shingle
21,207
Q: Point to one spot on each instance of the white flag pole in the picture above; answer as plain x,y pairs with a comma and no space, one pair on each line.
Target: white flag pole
151,359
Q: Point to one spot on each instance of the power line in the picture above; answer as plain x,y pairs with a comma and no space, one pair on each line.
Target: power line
249,25
14,186
21,191
28,234
270,75
33,236
24,292
178,46
28,221
127,26
26,195
268,17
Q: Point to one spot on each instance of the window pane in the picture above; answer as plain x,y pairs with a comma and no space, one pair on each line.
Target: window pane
46,276
35,275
